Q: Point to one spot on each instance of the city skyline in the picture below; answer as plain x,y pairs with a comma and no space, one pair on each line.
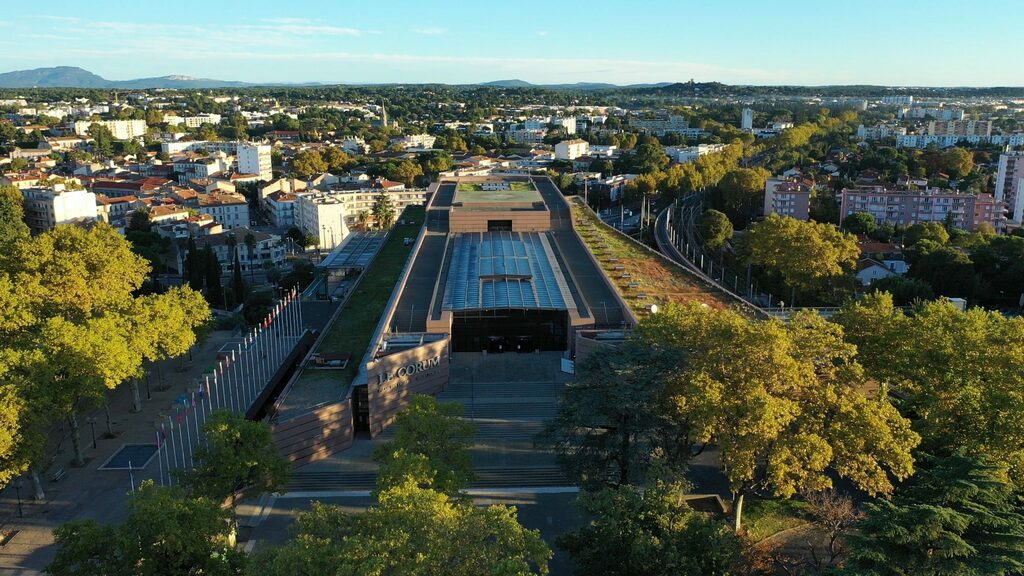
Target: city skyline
799,43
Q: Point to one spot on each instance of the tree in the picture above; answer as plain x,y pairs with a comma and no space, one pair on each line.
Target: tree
808,256
436,161
250,251
335,159
648,532
12,216
905,291
648,157
406,172
194,268
75,292
239,458
783,402
715,228
741,193
947,270
933,231
860,223
618,418
431,444
383,211
959,515
307,163
951,367
103,139
412,531
166,533
238,287
211,277
18,164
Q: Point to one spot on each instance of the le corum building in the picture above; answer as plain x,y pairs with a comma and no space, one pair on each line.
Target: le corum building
497,267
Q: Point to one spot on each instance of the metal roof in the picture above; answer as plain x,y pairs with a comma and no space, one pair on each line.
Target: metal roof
503,270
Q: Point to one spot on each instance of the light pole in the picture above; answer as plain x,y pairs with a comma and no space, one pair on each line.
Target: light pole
92,426
17,490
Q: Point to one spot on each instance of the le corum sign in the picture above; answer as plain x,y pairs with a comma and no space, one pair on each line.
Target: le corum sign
404,372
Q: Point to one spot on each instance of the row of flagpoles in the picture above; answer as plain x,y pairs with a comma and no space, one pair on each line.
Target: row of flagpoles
239,377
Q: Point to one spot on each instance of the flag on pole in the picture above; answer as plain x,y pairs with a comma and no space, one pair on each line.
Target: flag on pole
180,416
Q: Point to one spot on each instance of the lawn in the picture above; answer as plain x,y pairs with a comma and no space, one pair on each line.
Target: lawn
648,273
763,518
355,324
522,186
469,187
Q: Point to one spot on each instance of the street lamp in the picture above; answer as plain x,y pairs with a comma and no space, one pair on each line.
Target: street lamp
17,490
92,425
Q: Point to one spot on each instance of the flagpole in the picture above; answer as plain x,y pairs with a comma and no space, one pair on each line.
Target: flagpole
181,436
167,454
239,399
209,401
159,461
196,413
188,433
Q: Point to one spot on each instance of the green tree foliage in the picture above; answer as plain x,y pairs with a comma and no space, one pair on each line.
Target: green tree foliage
715,228
336,159
740,193
932,231
431,445
412,531
808,256
166,534
904,291
648,532
308,163
947,270
860,223
383,211
957,516
103,139
960,373
211,277
619,417
783,402
406,172
239,458
12,216
73,291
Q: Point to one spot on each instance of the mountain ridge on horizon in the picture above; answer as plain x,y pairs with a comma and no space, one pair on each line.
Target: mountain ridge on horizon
77,77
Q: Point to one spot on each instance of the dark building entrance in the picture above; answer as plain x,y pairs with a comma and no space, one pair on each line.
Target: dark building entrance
509,330
499,225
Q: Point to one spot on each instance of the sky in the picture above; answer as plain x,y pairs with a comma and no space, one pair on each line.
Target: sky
805,42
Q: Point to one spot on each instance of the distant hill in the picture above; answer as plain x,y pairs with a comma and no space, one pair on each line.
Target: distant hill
509,84
74,77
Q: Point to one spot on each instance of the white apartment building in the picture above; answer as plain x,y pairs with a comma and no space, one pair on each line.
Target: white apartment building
922,112
950,140
1010,184
121,129
787,197
906,207
200,168
959,128
661,126
747,119
199,120
355,145
691,153
268,247
880,132
898,100
542,123
255,159
322,215
571,149
417,141
525,136
281,208
229,147
229,208
48,207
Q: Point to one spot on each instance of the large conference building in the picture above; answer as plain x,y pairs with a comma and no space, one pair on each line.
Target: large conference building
498,267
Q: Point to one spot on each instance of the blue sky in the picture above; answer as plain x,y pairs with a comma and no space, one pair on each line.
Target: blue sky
909,42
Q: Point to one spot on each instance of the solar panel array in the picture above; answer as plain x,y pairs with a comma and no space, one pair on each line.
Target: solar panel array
501,270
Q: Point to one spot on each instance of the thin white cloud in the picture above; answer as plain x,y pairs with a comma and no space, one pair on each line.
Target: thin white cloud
430,31
542,32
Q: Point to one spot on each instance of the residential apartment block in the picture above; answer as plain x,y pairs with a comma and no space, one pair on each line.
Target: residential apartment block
229,208
571,149
121,129
907,207
959,128
787,197
1010,184
48,207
